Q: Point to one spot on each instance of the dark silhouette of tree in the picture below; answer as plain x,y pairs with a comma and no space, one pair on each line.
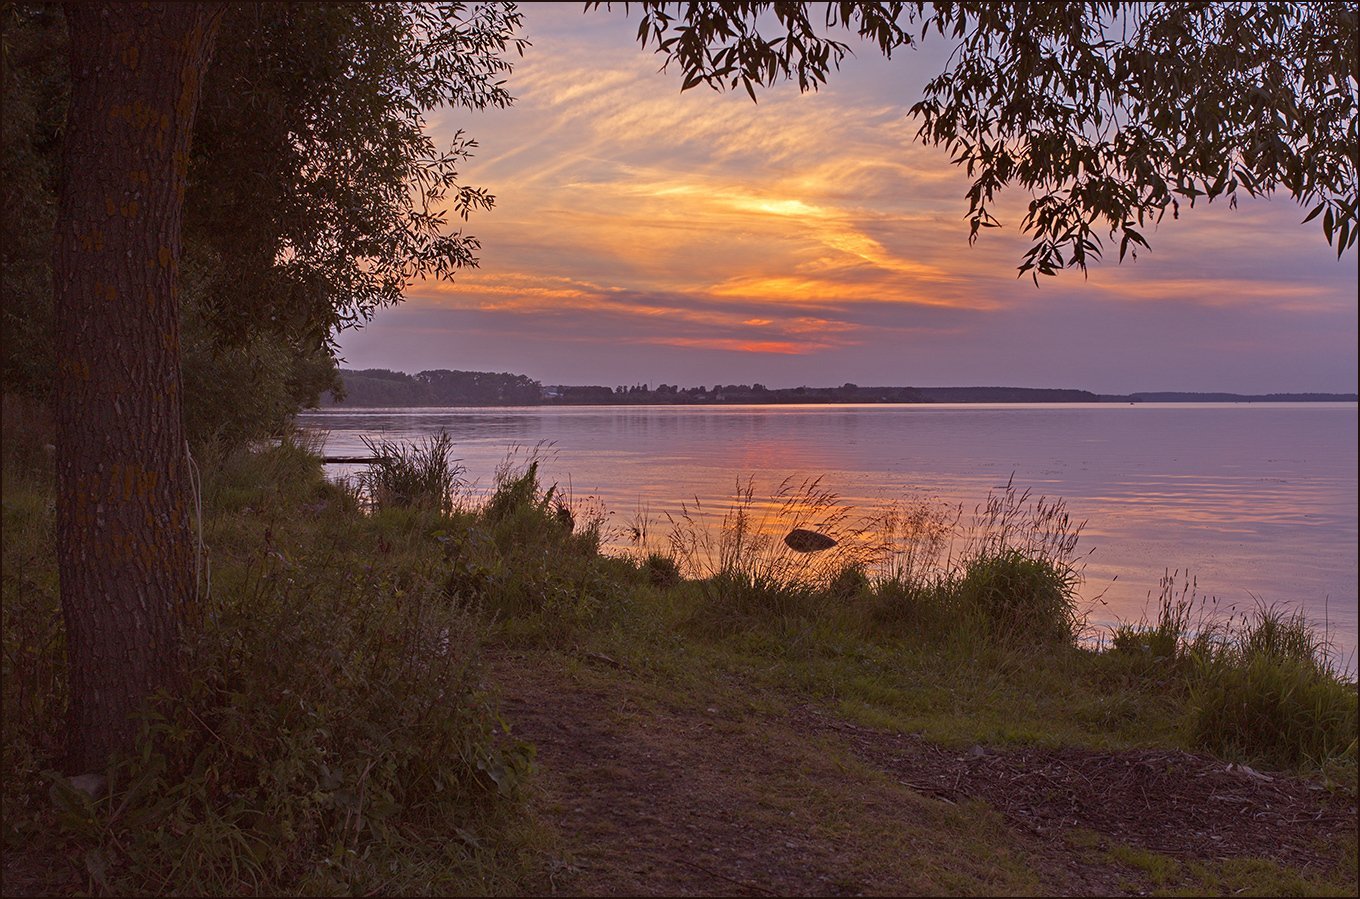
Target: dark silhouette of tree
340,219
298,221
124,548
1109,114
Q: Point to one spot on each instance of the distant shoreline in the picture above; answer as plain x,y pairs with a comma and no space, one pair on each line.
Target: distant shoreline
371,388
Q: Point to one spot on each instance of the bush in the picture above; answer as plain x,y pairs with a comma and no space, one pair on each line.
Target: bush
1280,710
661,570
333,737
1019,598
412,475
849,583
1266,690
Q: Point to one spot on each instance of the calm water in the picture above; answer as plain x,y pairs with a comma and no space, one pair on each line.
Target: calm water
1254,500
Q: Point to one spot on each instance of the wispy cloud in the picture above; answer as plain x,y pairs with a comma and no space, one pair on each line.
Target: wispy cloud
694,231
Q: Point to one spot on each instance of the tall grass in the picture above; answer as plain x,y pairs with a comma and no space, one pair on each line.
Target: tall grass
744,563
412,475
1012,574
1186,628
1264,685
1019,572
334,736
912,540
1268,689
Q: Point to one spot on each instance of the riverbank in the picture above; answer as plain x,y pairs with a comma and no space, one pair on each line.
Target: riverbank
428,698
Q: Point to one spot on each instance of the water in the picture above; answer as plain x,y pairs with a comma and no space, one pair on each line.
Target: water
1254,500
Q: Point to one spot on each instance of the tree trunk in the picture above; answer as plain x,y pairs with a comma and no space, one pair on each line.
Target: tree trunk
124,545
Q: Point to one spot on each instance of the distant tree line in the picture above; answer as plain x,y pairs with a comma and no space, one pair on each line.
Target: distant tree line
381,387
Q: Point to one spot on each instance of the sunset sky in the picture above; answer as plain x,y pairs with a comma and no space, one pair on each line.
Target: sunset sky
642,235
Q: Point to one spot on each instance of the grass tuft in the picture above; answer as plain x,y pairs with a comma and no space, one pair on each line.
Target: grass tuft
412,475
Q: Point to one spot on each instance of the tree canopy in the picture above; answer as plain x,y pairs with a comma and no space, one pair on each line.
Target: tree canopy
1109,114
315,175
315,192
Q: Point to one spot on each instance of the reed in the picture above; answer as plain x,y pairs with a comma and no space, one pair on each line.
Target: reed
1264,685
407,475
1268,689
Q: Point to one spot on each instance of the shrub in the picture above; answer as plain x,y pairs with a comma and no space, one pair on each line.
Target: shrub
412,475
1281,710
517,493
1266,689
849,583
333,736
542,556
661,570
1019,598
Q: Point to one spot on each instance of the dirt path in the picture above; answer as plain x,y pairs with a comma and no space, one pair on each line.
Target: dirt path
653,791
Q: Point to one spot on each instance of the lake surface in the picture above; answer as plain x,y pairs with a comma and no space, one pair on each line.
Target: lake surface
1253,500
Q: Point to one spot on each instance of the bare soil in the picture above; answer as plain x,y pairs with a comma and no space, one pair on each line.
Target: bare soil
655,792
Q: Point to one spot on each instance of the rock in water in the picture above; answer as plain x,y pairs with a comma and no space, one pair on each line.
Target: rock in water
803,541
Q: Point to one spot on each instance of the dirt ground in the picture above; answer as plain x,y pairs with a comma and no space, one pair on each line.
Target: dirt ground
656,793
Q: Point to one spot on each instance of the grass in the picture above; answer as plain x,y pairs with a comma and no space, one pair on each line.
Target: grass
337,737
406,475
1263,686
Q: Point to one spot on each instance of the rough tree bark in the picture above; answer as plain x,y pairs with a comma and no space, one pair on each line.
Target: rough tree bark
124,545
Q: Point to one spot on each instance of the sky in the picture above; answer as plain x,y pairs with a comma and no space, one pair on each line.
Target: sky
642,235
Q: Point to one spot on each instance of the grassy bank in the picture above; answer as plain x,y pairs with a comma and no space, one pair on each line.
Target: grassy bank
340,734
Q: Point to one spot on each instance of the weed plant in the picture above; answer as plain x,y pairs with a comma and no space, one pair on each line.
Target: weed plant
1262,686
334,737
406,475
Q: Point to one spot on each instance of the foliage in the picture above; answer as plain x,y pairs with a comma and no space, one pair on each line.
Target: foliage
1019,597
405,475
1107,113
238,391
313,174
661,570
1281,710
1019,569
1184,634
334,738
1266,689
314,197
1264,686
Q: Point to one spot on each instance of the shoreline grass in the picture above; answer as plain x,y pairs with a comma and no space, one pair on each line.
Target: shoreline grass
337,731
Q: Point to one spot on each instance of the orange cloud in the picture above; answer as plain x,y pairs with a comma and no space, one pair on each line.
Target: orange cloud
778,347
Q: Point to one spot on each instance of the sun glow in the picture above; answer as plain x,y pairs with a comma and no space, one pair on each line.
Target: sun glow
693,224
